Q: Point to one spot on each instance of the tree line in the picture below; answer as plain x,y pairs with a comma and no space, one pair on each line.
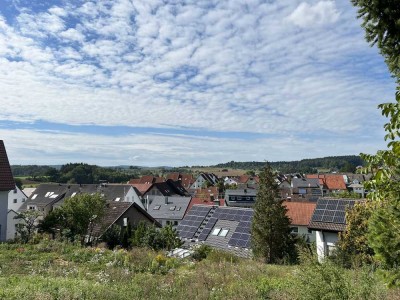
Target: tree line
346,163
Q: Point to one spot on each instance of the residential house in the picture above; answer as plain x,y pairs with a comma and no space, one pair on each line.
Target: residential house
331,183
206,201
241,197
168,210
7,184
28,191
306,188
230,181
168,188
224,228
186,179
357,188
204,179
16,198
300,214
146,179
122,214
247,179
49,196
328,219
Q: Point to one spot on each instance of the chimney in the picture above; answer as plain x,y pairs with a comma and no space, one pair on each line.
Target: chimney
166,200
217,202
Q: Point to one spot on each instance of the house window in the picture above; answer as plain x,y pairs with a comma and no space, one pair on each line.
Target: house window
309,231
175,223
23,199
125,222
31,207
15,200
15,191
294,230
157,207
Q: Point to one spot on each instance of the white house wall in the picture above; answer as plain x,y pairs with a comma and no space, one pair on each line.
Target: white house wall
15,199
326,242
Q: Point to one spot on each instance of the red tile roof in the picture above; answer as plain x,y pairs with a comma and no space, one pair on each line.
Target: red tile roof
202,201
206,193
300,213
141,187
6,178
330,181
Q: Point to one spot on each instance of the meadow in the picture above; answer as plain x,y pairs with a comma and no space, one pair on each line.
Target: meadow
49,269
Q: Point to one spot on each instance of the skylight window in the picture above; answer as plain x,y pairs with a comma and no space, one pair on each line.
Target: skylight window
223,232
73,194
157,207
172,208
179,208
220,232
34,196
216,231
117,199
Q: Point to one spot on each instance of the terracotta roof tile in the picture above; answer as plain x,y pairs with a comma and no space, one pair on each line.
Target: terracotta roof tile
300,213
331,181
202,201
6,178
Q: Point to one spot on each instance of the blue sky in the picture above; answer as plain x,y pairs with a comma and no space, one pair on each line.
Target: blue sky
187,82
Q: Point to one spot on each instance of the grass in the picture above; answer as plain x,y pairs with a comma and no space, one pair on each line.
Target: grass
55,270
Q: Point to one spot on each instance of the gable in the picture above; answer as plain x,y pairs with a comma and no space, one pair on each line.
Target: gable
6,178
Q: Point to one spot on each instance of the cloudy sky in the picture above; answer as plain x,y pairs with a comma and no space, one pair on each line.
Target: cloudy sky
195,82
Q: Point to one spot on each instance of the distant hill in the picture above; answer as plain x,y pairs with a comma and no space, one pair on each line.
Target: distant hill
346,163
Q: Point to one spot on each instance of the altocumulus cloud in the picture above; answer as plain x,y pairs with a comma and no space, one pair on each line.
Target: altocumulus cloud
296,73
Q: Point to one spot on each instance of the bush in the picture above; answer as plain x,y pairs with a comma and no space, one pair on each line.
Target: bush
201,252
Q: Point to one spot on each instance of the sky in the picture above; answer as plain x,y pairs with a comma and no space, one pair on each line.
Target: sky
175,83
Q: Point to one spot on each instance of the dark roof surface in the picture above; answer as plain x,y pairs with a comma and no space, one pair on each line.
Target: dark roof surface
305,183
6,178
203,222
330,214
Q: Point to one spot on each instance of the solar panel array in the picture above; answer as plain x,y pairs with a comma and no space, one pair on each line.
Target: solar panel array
189,225
241,236
332,210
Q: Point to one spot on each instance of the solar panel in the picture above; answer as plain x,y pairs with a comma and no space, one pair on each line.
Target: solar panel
332,210
192,221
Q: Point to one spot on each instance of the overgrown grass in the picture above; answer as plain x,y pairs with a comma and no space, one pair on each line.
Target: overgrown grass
55,270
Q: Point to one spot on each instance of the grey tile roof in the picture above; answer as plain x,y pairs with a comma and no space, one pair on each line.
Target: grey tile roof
305,183
45,194
170,188
6,178
170,208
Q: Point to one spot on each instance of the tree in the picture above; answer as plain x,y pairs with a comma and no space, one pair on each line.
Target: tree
27,227
382,26
353,245
78,215
271,239
18,182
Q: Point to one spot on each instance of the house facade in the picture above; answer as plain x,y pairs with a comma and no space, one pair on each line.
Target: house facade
7,184
204,179
328,219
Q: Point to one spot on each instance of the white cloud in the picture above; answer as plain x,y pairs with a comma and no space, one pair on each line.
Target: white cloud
224,66
323,12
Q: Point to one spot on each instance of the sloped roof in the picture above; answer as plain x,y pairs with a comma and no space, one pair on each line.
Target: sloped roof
142,187
6,178
330,181
171,188
330,214
203,201
300,213
305,183
114,210
171,208
45,194
205,223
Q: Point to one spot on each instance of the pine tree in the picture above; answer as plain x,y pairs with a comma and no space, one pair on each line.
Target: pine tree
271,239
